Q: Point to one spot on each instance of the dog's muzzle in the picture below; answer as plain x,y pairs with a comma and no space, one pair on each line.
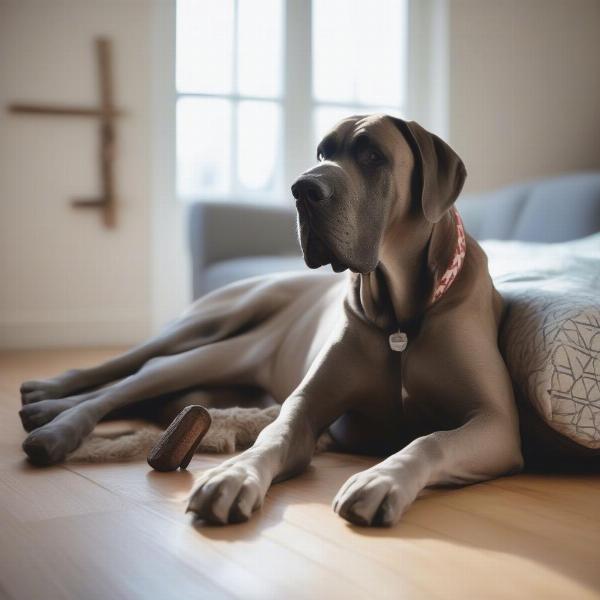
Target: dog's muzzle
312,194
312,189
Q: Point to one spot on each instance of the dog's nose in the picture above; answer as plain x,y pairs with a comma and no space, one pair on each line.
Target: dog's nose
311,189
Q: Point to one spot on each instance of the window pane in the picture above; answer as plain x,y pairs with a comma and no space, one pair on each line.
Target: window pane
359,51
205,46
203,146
326,117
260,48
259,144
332,51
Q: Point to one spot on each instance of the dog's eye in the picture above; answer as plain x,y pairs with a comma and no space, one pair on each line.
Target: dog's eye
372,157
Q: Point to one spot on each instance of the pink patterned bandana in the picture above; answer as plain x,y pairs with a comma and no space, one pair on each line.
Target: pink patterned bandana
456,263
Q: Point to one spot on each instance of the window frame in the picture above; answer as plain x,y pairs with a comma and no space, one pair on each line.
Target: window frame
298,105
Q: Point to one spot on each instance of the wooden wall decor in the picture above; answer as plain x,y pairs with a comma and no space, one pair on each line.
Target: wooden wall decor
106,113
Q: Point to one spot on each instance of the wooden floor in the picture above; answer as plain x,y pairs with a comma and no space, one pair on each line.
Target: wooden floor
119,530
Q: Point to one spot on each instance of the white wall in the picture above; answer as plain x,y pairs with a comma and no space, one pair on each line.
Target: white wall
524,80
64,278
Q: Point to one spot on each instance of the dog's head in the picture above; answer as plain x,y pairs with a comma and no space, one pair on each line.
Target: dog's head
373,171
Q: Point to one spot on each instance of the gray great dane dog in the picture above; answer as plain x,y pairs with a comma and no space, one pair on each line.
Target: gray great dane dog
379,204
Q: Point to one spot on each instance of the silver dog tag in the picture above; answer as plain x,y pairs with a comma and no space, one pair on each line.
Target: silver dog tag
398,341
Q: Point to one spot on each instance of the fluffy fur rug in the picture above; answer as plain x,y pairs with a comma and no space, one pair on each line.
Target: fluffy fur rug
231,429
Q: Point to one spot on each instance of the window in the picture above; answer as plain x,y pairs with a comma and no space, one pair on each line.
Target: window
251,73
358,59
229,88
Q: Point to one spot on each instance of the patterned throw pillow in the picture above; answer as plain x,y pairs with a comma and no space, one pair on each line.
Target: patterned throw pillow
550,336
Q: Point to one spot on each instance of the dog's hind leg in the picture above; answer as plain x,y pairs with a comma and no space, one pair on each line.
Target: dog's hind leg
160,410
210,319
235,361
37,414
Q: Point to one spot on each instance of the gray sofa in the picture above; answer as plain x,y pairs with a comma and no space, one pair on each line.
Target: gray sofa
230,241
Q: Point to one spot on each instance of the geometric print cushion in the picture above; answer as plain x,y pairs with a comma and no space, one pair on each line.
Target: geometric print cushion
550,333
574,378
552,350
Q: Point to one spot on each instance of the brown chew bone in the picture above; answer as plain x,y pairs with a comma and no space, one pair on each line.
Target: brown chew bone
178,443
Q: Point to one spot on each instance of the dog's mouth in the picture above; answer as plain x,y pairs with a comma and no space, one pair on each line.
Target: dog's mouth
317,254
316,251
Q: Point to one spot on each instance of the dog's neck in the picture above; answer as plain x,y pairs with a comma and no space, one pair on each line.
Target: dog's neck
414,258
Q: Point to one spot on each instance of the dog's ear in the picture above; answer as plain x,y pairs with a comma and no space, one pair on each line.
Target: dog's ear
440,171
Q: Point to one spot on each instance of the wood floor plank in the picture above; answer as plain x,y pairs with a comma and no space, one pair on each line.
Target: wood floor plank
105,555
120,531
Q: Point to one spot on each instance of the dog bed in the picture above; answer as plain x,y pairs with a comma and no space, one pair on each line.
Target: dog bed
550,335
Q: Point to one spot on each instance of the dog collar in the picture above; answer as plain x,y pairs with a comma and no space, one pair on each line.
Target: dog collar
456,262
399,340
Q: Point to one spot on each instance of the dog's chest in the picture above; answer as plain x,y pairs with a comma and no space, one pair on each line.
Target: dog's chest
419,416
387,419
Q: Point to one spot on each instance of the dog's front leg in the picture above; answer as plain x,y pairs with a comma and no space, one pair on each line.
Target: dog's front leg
485,447
233,490
469,388
230,492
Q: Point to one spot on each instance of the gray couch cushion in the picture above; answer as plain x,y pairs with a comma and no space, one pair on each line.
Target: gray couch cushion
227,271
220,232
548,210
502,211
560,209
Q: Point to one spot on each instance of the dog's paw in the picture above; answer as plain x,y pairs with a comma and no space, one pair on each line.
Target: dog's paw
36,391
229,493
47,389
39,413
372,497
46,446
51,443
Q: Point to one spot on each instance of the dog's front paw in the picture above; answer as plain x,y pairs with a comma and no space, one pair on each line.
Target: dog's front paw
229,493
372,497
